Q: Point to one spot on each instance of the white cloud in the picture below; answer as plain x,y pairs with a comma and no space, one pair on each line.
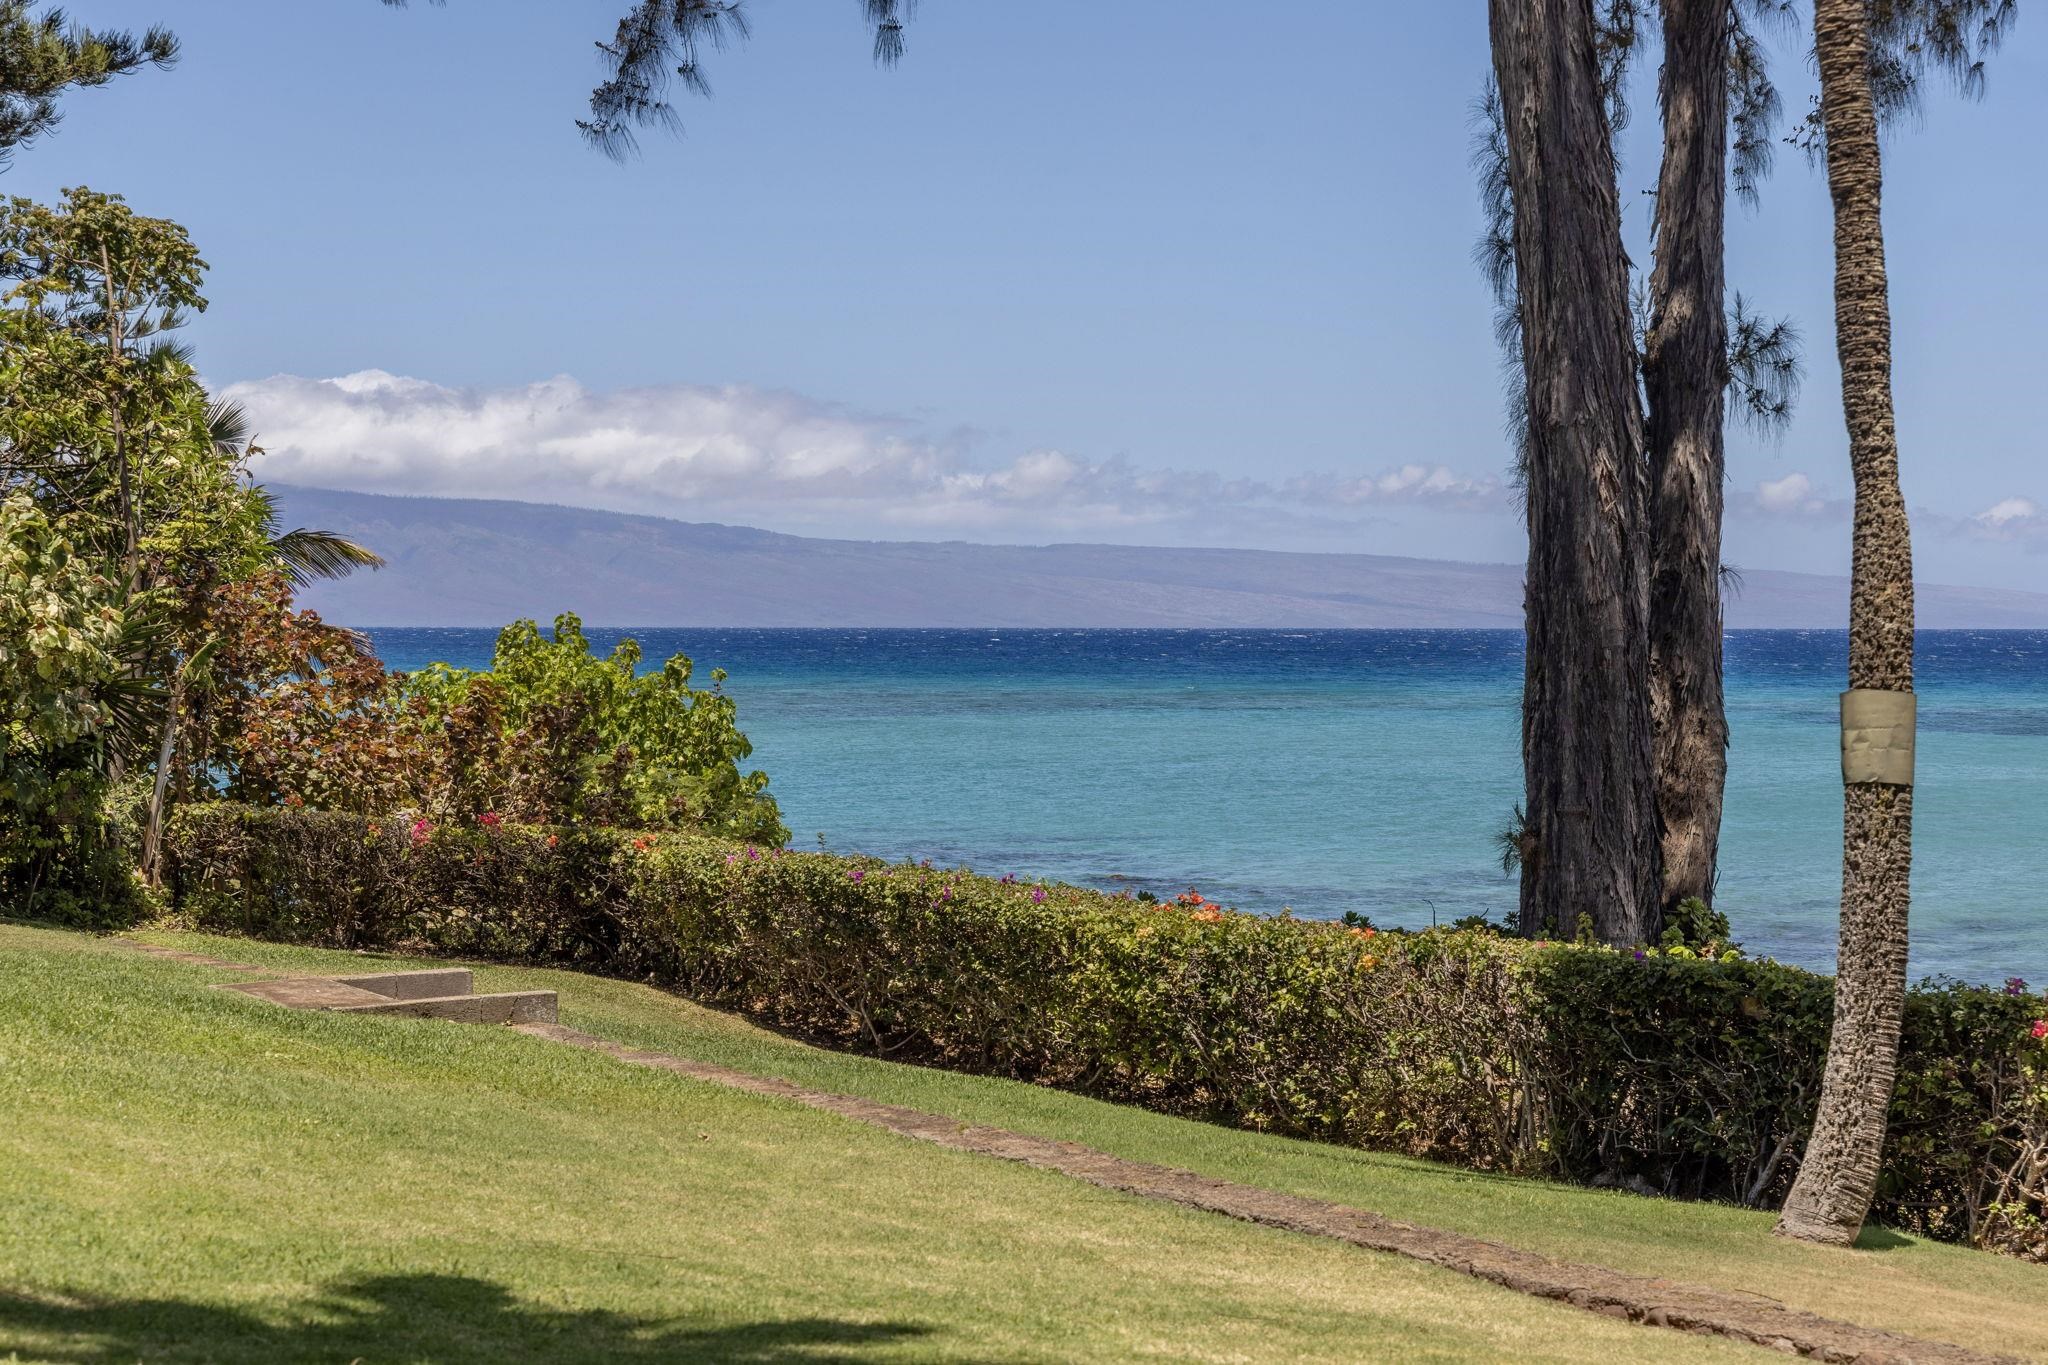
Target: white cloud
2009,519
1794,495
741,453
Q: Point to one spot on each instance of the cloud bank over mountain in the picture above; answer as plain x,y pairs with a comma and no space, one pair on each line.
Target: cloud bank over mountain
762,455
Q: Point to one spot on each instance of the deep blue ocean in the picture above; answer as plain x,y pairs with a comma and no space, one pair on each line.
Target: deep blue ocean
1344,770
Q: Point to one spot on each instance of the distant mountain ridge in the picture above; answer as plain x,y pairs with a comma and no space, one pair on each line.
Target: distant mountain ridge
474,562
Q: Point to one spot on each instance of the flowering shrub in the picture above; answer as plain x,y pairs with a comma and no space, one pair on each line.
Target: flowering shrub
300,713
1674,1074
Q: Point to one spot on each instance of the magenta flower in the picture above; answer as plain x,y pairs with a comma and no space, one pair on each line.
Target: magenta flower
753,854
421,828
857,875
1038,895
946,894
2015,985
489,819
2041,1028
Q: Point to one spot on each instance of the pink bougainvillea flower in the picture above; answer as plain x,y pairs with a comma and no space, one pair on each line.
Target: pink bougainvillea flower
421,828
2041,1028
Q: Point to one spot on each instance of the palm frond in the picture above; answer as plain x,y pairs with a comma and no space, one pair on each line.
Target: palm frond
134,699
227,426
307,556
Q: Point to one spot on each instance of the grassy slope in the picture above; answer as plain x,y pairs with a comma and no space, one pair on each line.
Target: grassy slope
1906,1284
188,1174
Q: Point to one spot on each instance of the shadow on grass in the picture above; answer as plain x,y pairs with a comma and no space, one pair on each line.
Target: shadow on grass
1875,1238
410,1318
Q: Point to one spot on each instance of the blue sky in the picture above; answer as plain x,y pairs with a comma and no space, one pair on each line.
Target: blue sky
1141,272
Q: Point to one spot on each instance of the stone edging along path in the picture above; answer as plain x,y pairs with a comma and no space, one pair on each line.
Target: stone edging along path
1634,1298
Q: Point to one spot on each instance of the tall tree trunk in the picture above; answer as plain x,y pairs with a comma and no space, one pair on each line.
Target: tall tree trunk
1685,373
159,792
1839,1173
1586,730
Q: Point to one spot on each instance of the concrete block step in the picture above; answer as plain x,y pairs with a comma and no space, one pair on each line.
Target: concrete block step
503,1007
439,993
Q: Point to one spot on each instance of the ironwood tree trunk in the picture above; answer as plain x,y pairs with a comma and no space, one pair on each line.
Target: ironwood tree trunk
1586,729
1838,1175
1685,377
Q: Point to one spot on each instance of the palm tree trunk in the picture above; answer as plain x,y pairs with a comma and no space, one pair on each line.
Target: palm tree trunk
1586,730
1838,1176
1685,375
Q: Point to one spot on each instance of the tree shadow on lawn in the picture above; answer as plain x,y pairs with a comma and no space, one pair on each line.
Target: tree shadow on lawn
410,1317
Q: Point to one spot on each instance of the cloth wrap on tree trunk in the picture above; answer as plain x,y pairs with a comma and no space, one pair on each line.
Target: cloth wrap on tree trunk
1877,737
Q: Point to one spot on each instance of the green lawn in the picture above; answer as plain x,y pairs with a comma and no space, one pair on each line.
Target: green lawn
190,1174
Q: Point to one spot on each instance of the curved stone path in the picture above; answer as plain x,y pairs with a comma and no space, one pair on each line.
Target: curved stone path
1635,1298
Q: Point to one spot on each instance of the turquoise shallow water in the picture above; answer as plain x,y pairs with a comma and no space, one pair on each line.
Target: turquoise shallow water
1338,770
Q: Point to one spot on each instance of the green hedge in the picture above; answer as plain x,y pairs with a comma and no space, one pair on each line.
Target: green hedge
1655,1072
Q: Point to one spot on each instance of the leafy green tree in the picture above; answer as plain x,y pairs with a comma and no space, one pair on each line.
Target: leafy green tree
104,422
253,542
595,739
90,386
69,638
42,55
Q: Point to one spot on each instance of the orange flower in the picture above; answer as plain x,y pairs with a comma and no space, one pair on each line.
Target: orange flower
1207,915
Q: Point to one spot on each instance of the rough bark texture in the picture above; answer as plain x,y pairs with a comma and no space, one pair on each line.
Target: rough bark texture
1685,375
1839,1173
1586,730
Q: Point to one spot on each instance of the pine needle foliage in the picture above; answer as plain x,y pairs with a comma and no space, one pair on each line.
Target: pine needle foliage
660,45
44,54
